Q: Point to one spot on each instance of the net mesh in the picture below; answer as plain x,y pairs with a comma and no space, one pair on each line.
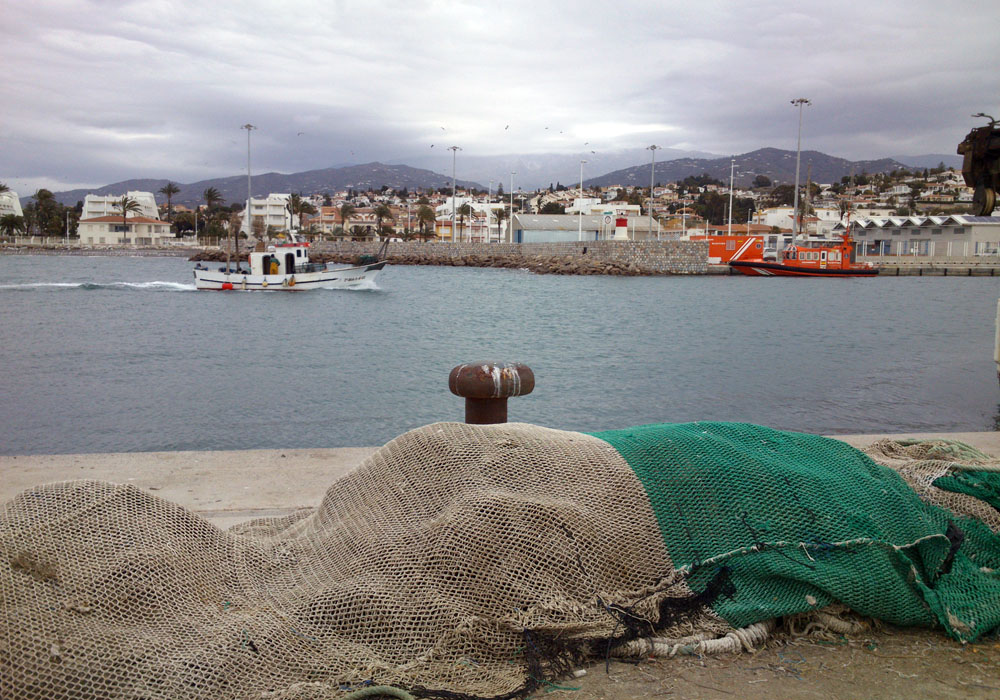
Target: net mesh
478,561
466,558
800,521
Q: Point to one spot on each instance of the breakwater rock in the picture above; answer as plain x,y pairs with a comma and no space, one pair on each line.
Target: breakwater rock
539,264
561,258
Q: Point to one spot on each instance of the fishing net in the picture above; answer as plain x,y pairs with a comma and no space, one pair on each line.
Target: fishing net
480,561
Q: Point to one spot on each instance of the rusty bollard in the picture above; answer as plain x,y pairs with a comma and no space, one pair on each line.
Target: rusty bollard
486,386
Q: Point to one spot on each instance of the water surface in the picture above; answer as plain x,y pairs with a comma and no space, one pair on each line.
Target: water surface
107,354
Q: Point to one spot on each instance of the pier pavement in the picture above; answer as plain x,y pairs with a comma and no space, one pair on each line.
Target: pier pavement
885,661
229,487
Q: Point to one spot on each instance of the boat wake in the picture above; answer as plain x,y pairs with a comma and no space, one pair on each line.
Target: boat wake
365,286
154,286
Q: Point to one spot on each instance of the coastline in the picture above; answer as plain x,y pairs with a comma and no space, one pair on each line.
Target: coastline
627,258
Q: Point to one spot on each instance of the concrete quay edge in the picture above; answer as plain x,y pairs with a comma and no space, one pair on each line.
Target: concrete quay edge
230,487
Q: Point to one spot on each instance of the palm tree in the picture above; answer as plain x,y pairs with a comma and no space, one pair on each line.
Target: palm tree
212,198
4,188
346,212
169,190
297,206
45,203
501,214
463,211
11,224
425,216
382,212
127,204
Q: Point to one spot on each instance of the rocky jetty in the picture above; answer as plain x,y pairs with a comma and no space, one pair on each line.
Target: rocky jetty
539,264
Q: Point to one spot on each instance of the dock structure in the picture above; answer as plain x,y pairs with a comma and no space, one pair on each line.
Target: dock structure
931,267
230,487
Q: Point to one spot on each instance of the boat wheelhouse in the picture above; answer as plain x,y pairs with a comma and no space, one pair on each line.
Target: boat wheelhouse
286,266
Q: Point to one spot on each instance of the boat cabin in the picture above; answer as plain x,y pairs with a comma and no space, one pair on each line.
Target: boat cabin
283,259
821,254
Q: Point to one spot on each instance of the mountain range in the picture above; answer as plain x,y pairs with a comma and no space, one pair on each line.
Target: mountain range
777,165
533,172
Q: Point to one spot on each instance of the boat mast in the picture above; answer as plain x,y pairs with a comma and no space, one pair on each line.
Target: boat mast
798,101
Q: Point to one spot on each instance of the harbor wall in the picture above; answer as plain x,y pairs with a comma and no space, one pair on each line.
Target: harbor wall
662,257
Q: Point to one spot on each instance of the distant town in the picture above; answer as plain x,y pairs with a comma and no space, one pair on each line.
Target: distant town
905,211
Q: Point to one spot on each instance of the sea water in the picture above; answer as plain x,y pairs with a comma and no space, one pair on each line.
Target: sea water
102,354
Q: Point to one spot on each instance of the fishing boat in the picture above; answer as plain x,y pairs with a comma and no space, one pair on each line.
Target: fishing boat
819,258
286,267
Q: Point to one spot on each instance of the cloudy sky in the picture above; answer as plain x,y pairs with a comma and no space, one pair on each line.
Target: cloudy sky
102,91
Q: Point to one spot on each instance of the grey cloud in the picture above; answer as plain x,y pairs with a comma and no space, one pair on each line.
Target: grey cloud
104,91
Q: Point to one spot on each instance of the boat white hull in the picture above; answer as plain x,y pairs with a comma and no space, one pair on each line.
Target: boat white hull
340,278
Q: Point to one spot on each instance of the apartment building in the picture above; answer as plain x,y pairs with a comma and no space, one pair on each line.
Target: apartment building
270,213
97,205
10,203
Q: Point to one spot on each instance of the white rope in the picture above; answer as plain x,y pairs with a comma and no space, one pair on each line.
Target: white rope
745,639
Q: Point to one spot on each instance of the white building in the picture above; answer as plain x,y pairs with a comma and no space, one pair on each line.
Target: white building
957,235
96,205
269,214
821,223
10,204
110,230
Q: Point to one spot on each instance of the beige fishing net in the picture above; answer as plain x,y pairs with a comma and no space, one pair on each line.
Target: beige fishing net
467,559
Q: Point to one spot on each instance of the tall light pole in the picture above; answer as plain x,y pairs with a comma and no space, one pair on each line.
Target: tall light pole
249,128
454,192
798,101
579,235
652,171
732,169
489,196
510,219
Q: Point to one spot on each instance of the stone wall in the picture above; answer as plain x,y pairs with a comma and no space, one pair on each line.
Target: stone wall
662,257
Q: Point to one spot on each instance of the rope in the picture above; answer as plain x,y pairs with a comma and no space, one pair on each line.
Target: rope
376,690
744,639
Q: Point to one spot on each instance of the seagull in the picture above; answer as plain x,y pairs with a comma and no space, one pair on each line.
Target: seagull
300,133
442,128
506,127
432,145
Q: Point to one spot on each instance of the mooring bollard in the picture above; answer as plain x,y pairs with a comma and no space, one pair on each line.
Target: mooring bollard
486,386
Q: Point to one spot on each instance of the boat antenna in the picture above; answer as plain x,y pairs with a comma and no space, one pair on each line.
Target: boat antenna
799,102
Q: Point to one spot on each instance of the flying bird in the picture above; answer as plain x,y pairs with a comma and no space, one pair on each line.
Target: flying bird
443,129
506,127
300,133
432,145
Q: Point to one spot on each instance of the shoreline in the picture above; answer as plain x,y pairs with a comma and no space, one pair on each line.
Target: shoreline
633,260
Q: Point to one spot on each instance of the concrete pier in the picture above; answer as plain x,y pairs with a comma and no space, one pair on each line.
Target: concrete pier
229,487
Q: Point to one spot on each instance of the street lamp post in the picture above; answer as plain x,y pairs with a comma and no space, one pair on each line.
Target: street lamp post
579,235
652,170
510,219
732,169
249,128
799,101
454,192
